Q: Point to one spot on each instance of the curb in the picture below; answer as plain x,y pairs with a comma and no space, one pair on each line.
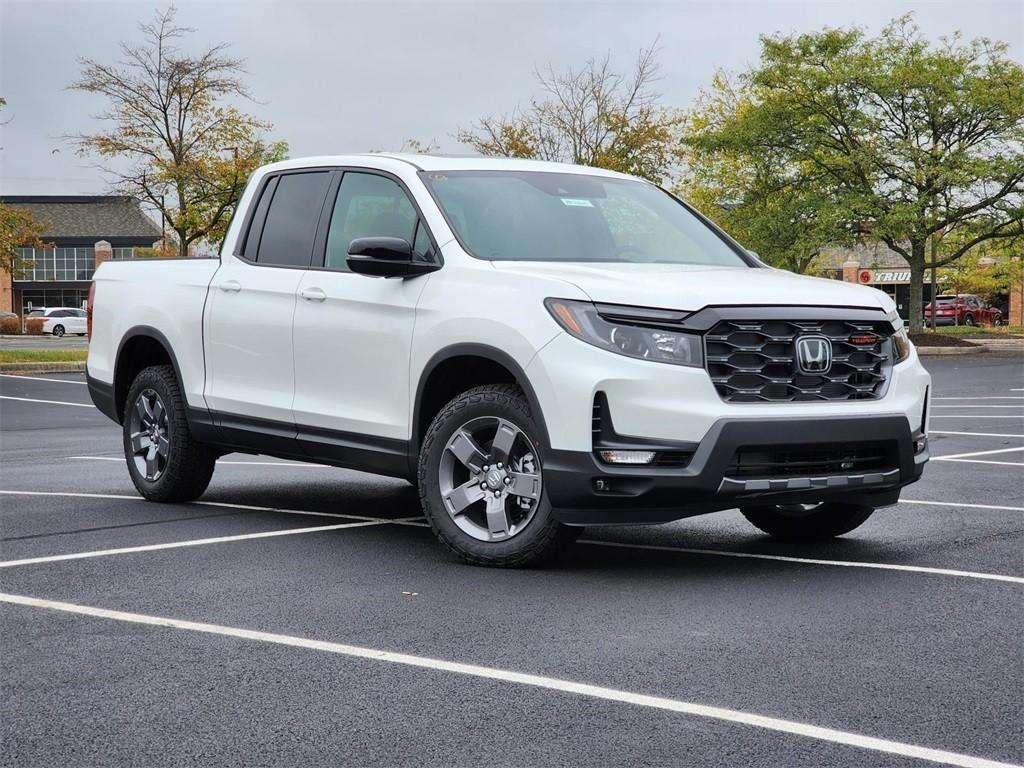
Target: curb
937,351
26,368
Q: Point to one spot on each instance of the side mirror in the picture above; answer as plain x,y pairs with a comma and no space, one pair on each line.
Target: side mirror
385,257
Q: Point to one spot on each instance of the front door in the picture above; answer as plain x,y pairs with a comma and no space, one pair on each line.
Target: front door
353,333
250,379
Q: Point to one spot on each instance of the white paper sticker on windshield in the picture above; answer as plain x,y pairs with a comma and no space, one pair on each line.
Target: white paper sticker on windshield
577,202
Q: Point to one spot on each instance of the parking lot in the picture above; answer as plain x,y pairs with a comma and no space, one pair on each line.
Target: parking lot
304,615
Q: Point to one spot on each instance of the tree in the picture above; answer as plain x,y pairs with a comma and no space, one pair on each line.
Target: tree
18,229
189,152
758,198
904,139
591,116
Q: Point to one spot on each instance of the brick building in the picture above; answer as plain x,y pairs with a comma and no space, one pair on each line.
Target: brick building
83,231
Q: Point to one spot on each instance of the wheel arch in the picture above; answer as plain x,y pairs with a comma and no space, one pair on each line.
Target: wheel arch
460,367
140,347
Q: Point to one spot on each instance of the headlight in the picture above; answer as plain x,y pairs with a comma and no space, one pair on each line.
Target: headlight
901,345
581,319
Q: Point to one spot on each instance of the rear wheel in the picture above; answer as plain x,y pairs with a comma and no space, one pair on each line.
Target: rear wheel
807,521
481,482
969,320
164,461
58,330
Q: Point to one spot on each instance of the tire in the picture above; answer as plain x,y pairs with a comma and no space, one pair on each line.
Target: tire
826,521
181,471
58,331
530,535
969,320
997,321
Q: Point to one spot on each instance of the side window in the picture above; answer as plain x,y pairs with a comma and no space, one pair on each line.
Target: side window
367,205
290,226
252,239
422,248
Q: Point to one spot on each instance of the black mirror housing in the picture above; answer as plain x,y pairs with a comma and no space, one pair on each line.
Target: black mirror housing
385,257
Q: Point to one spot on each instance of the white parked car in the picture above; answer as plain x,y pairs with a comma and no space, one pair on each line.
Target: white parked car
537,347
61,320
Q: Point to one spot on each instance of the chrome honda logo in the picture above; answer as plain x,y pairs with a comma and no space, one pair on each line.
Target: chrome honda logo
813,354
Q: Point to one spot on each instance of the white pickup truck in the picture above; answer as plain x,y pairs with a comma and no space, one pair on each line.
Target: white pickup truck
538,347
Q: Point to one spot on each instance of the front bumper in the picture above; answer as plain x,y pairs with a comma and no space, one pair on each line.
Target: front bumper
644,494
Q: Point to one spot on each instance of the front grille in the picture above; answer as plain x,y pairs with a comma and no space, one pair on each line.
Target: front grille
812,460
754,360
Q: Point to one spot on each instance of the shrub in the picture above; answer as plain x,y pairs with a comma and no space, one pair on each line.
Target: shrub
34,325
10,325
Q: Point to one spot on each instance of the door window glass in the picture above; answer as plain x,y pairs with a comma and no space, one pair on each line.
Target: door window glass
367,205
422,248
290,227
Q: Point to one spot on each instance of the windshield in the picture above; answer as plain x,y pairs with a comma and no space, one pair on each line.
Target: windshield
539,216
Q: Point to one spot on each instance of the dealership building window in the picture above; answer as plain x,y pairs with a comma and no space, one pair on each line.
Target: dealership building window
81,231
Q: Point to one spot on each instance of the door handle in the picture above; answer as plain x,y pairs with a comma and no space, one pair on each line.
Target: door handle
231,286
313,294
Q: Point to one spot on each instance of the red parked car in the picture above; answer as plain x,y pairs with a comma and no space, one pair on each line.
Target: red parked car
964,309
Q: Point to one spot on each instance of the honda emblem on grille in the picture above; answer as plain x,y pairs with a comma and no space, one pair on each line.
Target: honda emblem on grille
813,354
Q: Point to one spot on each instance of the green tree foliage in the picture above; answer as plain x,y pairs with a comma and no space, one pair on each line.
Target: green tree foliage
17,230
890,135
591,116
188,151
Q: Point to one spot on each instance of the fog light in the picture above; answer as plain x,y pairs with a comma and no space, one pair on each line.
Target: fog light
626,457
920,444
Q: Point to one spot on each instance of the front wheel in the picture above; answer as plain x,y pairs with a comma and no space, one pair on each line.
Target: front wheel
164,461
58,330
807,521
481,481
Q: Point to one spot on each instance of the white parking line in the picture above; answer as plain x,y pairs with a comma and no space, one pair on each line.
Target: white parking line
983,461
1018,407
961,504
300,464
977,453
49,402
974,416
419,522
40,378
973,434
189,543
993,397
812,561
778,725
413,521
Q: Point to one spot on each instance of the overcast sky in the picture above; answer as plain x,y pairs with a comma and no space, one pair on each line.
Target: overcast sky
351,77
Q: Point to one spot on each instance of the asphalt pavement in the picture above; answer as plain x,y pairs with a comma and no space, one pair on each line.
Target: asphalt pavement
227,632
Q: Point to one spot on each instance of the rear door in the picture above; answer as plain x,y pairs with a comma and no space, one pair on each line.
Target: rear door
250,371
353,333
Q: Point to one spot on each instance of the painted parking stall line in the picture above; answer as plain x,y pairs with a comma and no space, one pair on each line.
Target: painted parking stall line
40,378
294,464
420,522
47,402
810,561
1016,449
188,543
678,706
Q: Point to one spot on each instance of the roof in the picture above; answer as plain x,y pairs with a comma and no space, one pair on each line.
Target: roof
87,216
443,163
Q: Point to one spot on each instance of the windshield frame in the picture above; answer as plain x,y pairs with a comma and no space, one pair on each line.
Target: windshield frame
744,255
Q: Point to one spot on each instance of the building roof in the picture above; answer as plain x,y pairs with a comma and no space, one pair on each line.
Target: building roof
87,216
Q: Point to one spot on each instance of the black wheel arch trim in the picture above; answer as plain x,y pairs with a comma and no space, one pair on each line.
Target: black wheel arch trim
488,353
199,419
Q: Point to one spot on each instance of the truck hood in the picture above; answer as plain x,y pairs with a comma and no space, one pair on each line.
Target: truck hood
692,287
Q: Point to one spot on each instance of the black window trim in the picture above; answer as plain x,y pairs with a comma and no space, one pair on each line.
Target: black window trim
250,223
323,222
323,228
